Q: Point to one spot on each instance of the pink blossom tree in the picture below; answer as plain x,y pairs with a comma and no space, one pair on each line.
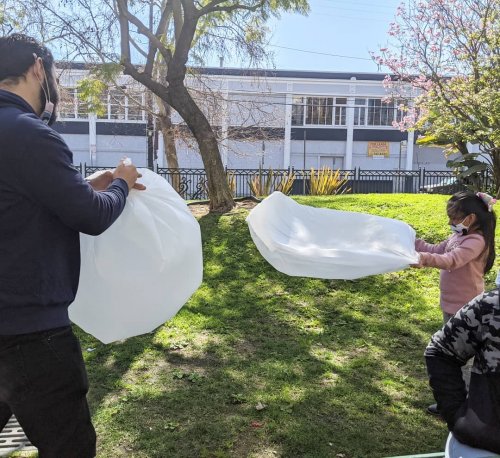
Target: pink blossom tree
444,61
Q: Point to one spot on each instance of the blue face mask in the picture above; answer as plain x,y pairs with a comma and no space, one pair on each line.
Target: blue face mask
460,228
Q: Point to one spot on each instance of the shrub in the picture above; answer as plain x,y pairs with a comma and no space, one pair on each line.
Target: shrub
262,183
327,182
284,182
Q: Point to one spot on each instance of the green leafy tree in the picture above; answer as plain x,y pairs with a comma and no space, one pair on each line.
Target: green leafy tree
157,42
444,56
105,77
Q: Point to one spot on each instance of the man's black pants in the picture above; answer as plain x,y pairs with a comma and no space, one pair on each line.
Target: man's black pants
43,382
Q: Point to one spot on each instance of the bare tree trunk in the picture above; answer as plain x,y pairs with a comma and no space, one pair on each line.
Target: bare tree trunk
167,131
220,196
177,96
169,139
495,159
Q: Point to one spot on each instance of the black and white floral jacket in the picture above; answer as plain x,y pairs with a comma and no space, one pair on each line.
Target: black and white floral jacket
474,331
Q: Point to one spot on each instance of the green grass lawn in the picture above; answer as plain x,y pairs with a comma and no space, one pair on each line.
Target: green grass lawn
335,367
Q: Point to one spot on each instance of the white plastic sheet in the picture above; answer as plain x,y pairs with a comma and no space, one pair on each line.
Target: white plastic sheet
304,241
143,269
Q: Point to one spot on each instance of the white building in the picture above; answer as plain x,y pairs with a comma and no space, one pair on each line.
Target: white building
269,118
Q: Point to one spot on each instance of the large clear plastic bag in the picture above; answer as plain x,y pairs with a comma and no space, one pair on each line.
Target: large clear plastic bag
143,269
304,241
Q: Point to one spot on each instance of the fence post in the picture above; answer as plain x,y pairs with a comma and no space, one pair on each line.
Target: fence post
421,178
355,183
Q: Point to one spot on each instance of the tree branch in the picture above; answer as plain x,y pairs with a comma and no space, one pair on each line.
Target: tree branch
143,30
161,31
124,32
159,89
214,6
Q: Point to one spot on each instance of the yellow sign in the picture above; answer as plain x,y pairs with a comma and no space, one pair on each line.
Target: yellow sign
378,149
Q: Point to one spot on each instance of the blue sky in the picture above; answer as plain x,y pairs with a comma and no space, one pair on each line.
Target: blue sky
342,27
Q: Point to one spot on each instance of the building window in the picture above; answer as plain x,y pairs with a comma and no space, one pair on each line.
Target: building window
298,111
104,98
359,112
379,113
116,104
82,107
376,112
340,111
135,102
68,106
401,109
319,111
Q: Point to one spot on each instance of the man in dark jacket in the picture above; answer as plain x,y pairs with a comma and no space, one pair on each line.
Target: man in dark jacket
44,204
474,331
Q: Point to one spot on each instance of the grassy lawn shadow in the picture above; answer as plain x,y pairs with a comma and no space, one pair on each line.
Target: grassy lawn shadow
259,364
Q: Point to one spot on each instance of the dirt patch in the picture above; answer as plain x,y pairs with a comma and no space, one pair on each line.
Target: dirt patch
202,209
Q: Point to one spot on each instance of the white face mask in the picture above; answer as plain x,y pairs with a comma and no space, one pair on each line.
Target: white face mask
460,228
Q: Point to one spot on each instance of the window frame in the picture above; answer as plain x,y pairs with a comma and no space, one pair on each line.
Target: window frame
81,114
72,92
386,113
319,111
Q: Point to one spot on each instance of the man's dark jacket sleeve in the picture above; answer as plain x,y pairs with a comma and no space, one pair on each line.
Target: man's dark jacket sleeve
46,175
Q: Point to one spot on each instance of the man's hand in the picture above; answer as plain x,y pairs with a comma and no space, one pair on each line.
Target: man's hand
101,182
130,174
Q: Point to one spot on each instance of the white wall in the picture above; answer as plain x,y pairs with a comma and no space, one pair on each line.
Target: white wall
248,155
315,150
110,149
429,158
79,146
188,157
249,110
245,155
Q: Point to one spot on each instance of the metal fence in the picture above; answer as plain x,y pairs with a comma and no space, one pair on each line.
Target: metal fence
192,183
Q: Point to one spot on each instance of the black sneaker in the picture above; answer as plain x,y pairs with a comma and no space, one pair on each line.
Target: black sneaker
433,410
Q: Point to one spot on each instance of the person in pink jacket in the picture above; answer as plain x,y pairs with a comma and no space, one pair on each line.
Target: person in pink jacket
464,257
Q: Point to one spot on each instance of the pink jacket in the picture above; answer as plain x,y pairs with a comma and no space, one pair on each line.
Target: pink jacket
461,260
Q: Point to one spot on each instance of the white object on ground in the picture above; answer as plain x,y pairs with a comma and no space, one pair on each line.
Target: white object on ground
143,269
304,241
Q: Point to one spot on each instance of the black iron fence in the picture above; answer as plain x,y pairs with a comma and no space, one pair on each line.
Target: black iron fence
192,183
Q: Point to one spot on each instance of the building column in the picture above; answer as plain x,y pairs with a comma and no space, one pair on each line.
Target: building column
350,125
409,150
224,147
161,150
288,126
92,118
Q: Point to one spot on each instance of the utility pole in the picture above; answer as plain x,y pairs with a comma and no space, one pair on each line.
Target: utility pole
304,164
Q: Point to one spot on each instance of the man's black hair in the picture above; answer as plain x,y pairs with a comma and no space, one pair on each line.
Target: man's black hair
17,56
